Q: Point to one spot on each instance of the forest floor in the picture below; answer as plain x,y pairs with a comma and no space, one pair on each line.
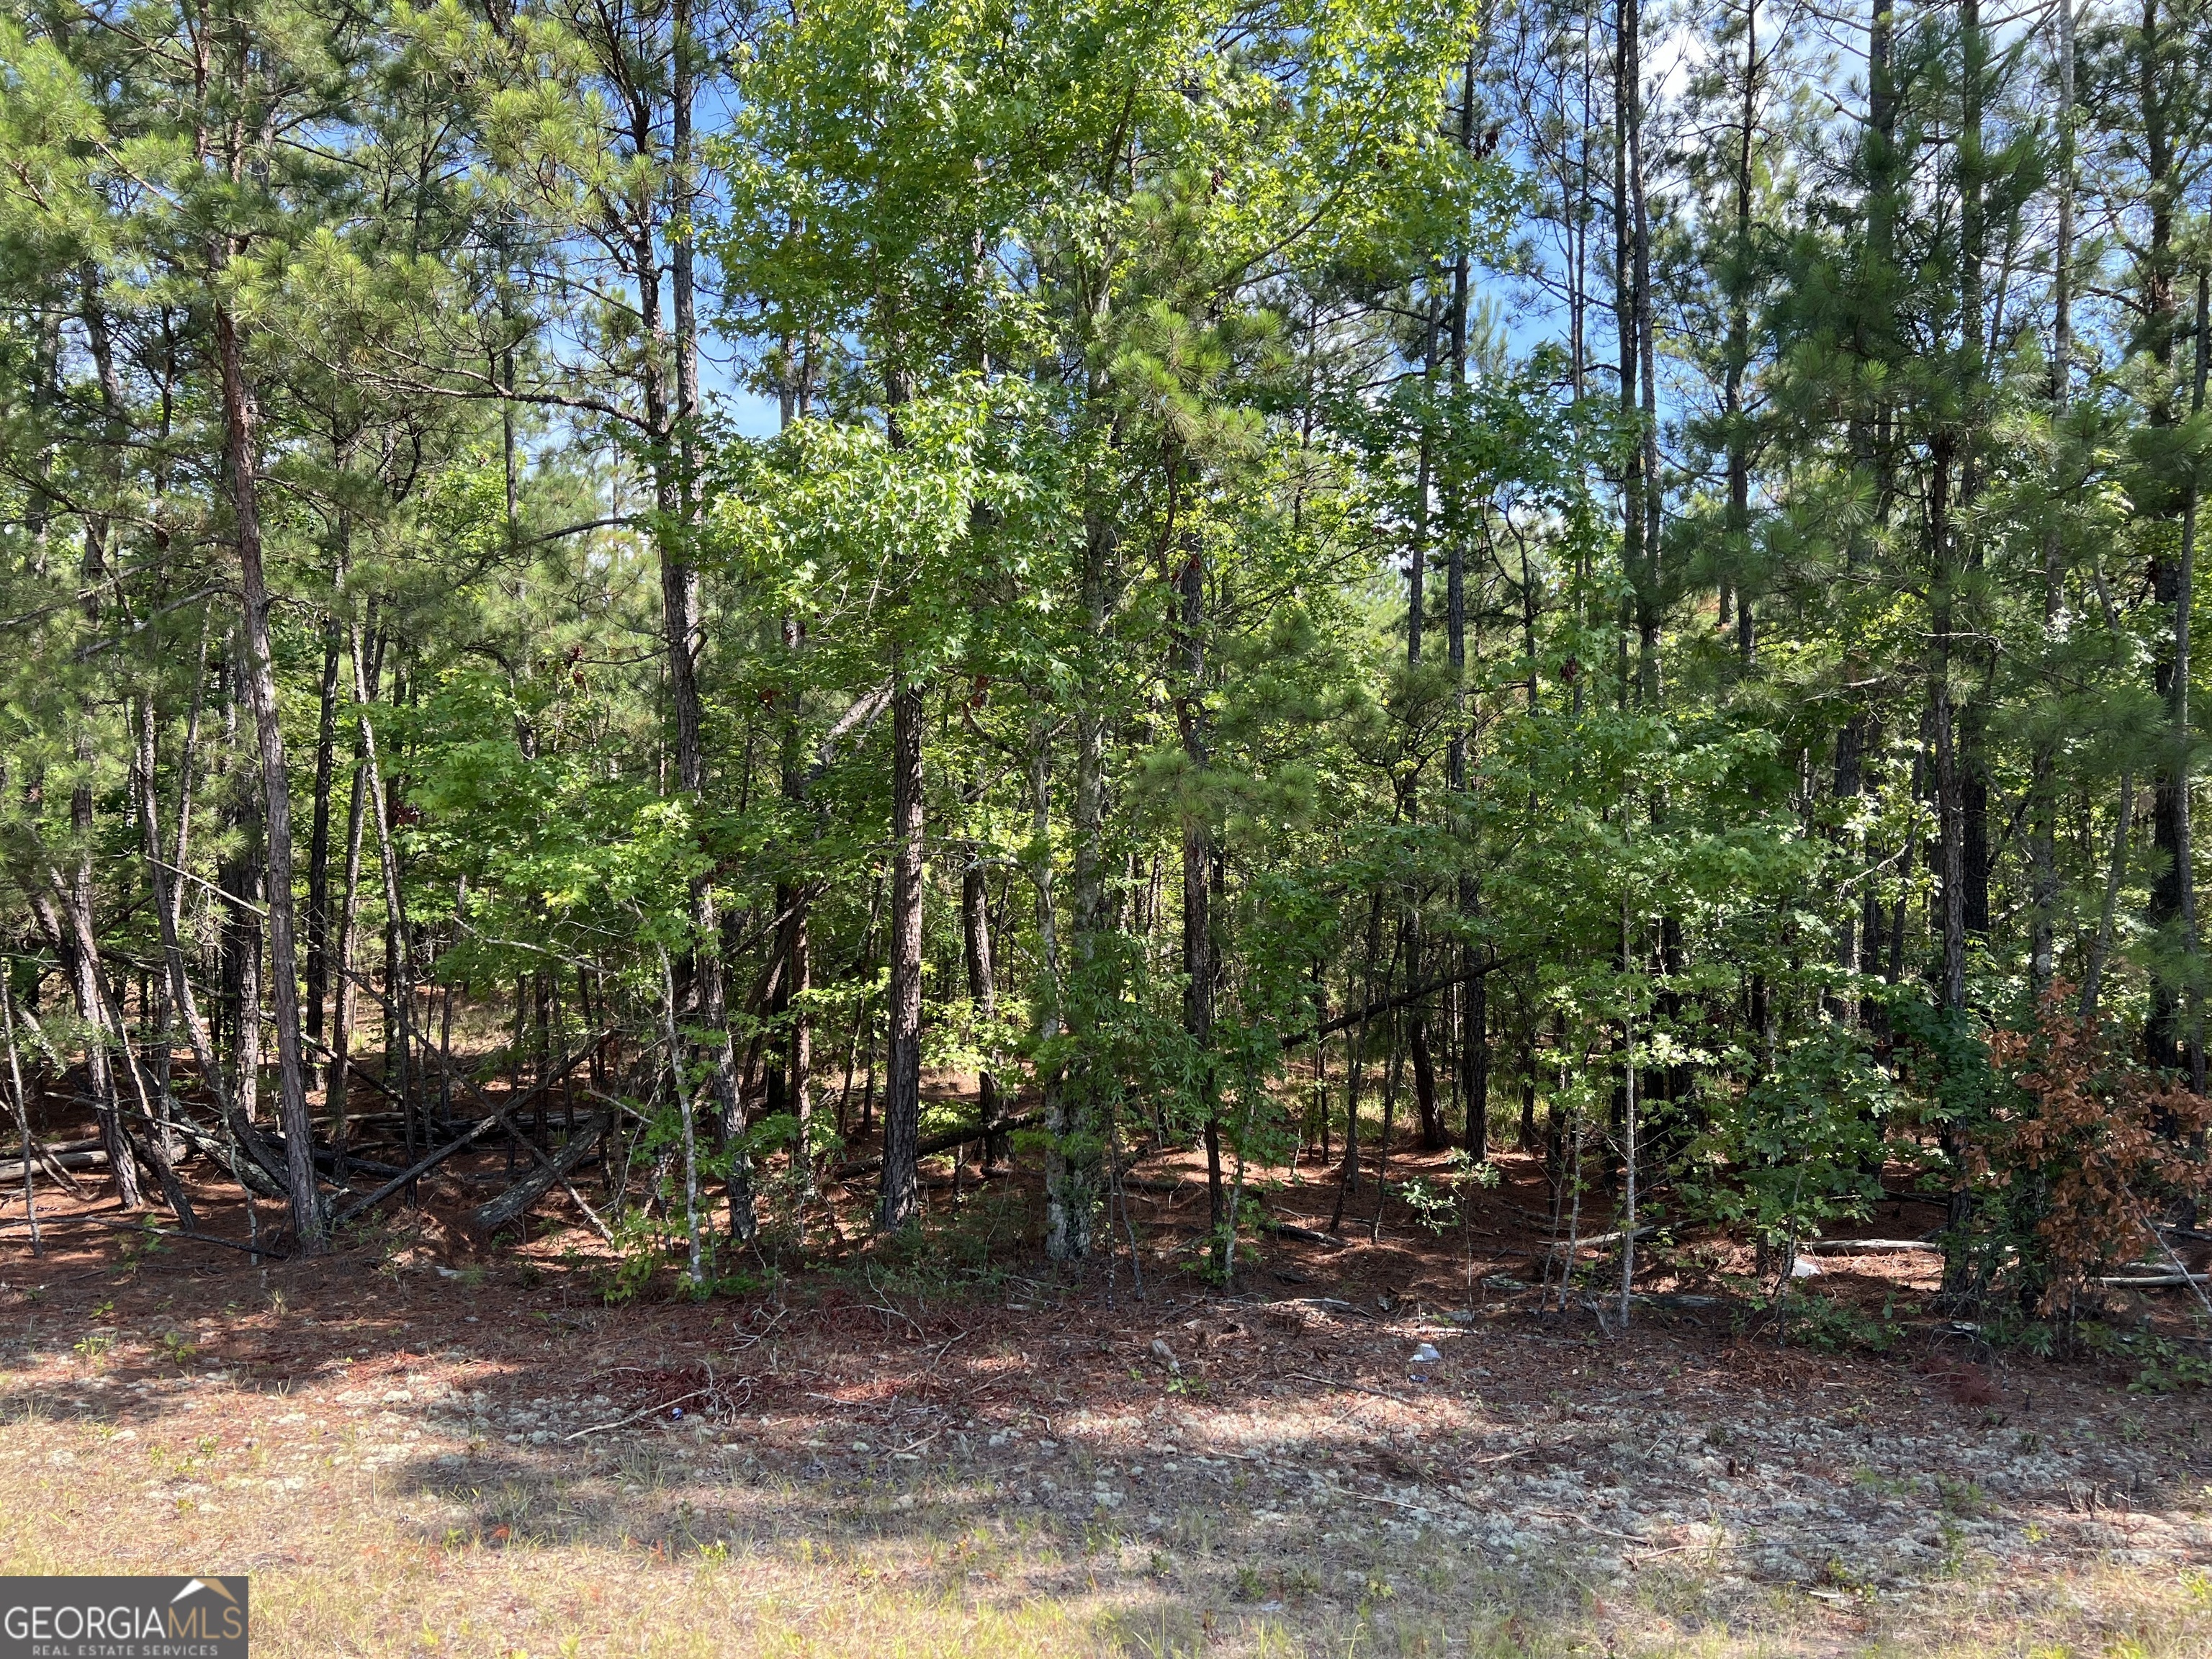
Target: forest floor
423,1446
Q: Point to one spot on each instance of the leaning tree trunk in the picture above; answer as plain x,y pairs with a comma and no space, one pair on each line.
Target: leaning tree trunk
72,936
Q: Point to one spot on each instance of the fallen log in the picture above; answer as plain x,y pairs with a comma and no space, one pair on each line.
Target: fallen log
85,1160
1157,1184
1304,1234
547,1164
1868,1247
1598,1241
265,1157
420,1168
475,1131
944,1143
491,1216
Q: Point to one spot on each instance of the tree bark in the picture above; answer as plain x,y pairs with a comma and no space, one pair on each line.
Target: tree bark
1198,965
1073,1185
74,943
983,998
343,998
2042,942
319,836
1739,353
899,1205
399,986
242,462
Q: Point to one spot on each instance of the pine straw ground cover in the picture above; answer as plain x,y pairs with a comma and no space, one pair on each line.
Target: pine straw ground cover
418,1451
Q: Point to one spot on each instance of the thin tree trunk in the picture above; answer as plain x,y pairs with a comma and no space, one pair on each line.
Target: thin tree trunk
242,461
399,976
2157,330
2042,944
343,998
1628,1139
1072,1183
22,1102
182,995
696,1262
1647,576
680,606
1391,1078
1739,353
1950,800
898,1206
799,976
1472,1066
1046,999
983,998
2184,735
245,928
1197,870
2093,972
319,836
1348,1176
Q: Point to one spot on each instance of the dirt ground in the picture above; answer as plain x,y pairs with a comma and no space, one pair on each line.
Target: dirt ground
425,1444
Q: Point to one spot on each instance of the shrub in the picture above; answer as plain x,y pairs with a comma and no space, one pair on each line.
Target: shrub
2084,1142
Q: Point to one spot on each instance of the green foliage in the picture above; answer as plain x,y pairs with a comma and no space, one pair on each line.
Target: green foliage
1830,1325
1798,1150
1774,748
2161,1365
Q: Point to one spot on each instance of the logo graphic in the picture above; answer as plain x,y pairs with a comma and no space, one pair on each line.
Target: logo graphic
123,1619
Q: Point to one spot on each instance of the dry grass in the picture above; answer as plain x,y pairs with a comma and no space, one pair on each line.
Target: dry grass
181,1410
355,1561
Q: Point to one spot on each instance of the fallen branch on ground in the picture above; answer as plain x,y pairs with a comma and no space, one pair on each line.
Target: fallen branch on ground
475,1131
1304,1234
171,1232
643,1411
1356,1388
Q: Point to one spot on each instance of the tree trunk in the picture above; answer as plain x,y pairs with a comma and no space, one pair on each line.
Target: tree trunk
1950,796
242,462
181,997
319,836
899,1206
676,494
72,936
1071,1172
983,997
2044,831
1198,965
1739,353
1849,783
342,1001
1472,1062
400,972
